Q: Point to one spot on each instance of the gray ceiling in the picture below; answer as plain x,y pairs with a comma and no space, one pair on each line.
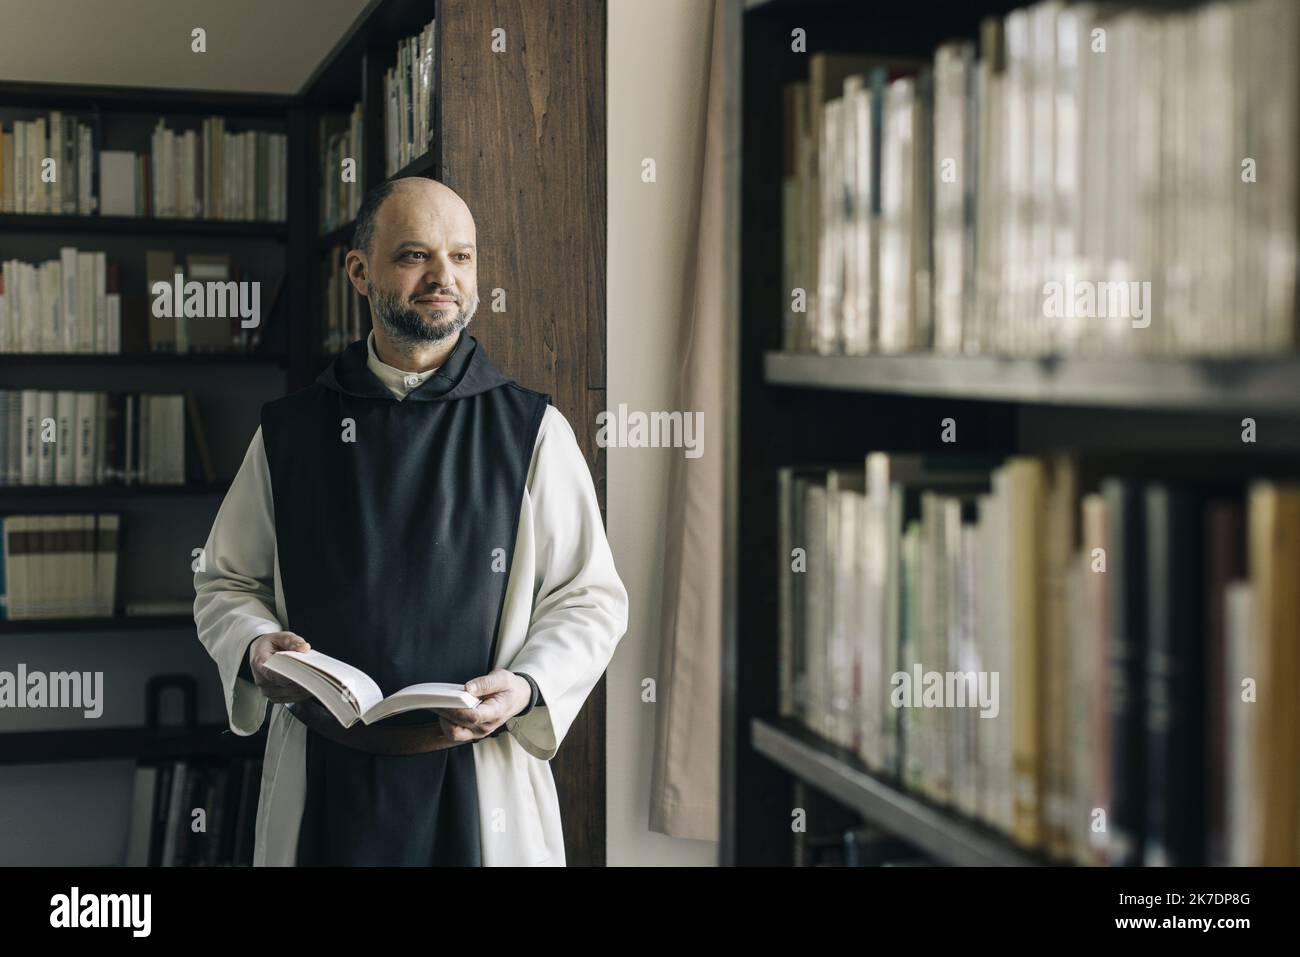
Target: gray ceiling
264,46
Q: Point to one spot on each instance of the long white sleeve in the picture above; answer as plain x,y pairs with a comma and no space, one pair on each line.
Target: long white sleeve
235,588
580,606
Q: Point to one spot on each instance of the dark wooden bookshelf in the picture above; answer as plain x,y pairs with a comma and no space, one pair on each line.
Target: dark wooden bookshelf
794,409
947,837
117,744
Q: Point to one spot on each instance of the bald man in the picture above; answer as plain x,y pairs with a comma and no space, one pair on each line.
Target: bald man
423,518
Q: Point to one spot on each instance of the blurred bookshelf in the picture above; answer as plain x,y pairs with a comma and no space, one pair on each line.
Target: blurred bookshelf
1060,430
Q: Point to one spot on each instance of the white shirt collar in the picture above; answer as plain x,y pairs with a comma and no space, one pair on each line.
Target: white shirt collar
398,381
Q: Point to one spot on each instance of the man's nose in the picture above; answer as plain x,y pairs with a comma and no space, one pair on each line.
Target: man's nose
439,272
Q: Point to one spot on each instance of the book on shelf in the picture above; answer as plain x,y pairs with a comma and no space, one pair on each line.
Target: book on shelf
408,100
1057,189
58,566
345,313
62,438
159,831
342,175
207,173
75,305
72,304
351,695
1081,652
25,186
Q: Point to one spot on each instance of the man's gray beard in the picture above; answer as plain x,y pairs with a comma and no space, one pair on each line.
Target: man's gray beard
403,323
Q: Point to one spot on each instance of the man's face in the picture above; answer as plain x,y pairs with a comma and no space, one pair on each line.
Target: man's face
423,264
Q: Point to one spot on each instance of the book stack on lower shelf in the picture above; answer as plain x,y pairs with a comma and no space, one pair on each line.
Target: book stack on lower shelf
164,830
1087,655
58,566
65,438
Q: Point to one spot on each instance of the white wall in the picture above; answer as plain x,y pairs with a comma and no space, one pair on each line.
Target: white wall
657,77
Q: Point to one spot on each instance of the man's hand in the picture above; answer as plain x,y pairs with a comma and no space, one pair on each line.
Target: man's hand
275,687
504,694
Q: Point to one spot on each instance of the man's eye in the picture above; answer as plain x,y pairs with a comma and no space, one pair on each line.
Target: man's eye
463,257
409,255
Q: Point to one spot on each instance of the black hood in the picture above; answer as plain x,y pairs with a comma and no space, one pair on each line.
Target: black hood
466,372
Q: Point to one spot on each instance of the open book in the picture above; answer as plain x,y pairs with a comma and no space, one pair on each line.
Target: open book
352,695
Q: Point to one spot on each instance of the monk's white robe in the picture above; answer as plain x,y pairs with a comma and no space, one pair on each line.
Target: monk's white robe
564,612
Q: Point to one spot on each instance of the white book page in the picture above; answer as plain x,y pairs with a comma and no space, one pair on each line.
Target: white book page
359,686
430,694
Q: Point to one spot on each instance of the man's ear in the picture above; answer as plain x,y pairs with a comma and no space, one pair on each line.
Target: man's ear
358,270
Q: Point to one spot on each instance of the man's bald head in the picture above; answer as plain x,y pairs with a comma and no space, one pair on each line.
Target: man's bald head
413,193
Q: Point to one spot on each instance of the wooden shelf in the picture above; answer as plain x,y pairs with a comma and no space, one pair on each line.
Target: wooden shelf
141,226
80,492
144,358
22,626
108,744
80,99
337,235
1252,385
941,834
425,165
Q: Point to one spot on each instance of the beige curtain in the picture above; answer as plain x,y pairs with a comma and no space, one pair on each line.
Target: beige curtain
684,783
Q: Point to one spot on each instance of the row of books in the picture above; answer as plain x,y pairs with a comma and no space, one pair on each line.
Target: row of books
1097,661
30,184
58,566
55,167
69,304
164,830
210,174
342,173
75,304
346,316
1097,180
101,438
408,99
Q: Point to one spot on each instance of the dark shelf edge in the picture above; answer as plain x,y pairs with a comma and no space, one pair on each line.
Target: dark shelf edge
423,165
337,235
21,626
87,98
109,491
155,358
1254,384
142,225
117,744
947,838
